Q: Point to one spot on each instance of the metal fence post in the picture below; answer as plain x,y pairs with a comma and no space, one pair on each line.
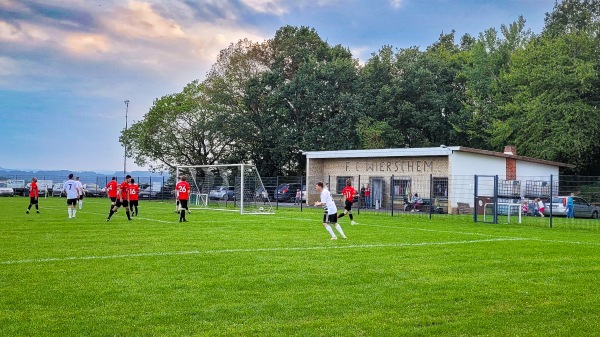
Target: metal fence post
392,193
359,196
495,199
275,194
301,180
431,205
474,198
551,194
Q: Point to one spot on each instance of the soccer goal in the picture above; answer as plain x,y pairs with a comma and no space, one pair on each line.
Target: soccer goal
228,187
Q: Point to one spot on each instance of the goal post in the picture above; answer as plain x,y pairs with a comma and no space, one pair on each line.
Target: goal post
227,187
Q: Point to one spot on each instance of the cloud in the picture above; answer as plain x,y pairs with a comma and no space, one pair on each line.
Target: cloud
89,44
274,7
22,33
14,6
140,20
163,43
397,3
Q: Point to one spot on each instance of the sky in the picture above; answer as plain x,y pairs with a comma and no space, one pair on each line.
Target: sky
68,66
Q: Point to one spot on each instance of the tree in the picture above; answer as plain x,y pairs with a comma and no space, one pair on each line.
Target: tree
180,129
573,16
304,101
553,87
483,63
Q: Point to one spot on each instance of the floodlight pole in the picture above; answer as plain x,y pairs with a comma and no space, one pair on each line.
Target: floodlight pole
125,154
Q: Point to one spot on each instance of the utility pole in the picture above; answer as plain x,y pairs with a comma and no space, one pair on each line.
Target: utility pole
125,155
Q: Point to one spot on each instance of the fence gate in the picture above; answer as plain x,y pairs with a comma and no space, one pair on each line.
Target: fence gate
485,199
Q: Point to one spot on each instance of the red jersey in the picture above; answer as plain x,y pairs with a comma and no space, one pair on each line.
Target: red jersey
349,193
367,192
134,190
124,190
111,189
183,190
34,191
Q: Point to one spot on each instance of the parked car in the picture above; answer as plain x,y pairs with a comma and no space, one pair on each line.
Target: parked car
57,190
287,192
222,193
6,191
93,190
581,208
19,186
154,192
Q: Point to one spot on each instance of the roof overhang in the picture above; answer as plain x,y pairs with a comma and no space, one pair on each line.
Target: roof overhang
422,152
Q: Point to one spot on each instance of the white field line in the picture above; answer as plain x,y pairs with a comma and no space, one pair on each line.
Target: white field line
252,250
488,235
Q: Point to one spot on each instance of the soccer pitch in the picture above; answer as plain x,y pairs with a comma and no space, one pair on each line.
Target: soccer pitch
224,274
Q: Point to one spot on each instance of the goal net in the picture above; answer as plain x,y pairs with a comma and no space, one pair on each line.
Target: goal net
236,187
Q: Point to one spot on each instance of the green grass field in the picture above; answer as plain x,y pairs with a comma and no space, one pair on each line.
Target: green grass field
223,274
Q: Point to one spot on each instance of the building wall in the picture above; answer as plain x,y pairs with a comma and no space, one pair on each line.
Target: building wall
460,169
362,170
533,171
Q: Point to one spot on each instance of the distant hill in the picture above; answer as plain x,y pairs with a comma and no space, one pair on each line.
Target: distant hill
63,174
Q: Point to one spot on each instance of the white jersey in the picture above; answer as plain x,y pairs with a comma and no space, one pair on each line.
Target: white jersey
80,187
70,187
326,198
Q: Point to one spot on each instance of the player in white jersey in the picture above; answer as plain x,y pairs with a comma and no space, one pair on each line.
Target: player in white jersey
330,215
72,191
81,192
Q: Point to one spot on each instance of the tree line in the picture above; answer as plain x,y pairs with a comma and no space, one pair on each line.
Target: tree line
267,102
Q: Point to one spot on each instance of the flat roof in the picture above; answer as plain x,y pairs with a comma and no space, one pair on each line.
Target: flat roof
421,152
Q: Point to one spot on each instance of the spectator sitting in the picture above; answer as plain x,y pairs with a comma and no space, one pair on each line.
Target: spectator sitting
416,201
532,207
525,208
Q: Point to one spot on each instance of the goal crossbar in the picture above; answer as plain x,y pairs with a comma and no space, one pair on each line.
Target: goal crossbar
231,187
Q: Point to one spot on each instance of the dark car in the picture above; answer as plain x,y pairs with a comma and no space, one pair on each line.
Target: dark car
157,193
286,192
93,190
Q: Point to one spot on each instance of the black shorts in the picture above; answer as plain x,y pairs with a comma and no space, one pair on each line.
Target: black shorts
331,218
81,197
71,202
124,203
348,205
113,200
133,203
33,200
183,204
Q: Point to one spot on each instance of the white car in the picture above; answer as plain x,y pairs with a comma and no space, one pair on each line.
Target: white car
57,190
222,193
6,191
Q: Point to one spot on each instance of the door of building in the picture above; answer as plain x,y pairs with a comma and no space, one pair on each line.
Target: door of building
377,192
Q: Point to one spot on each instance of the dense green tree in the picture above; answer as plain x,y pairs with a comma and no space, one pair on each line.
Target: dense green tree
304,101
182,128
573,16
267,102
552,91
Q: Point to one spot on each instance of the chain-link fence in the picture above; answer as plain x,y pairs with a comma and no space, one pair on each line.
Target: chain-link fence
549,201
151,188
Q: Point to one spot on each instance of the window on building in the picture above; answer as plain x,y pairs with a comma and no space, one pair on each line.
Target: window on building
401,186
440,187
341,183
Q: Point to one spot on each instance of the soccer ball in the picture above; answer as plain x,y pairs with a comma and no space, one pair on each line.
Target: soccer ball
261,209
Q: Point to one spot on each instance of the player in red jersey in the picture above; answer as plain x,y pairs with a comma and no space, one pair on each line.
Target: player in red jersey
111,191
183,195
122,198
34,193
348,192
134,190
